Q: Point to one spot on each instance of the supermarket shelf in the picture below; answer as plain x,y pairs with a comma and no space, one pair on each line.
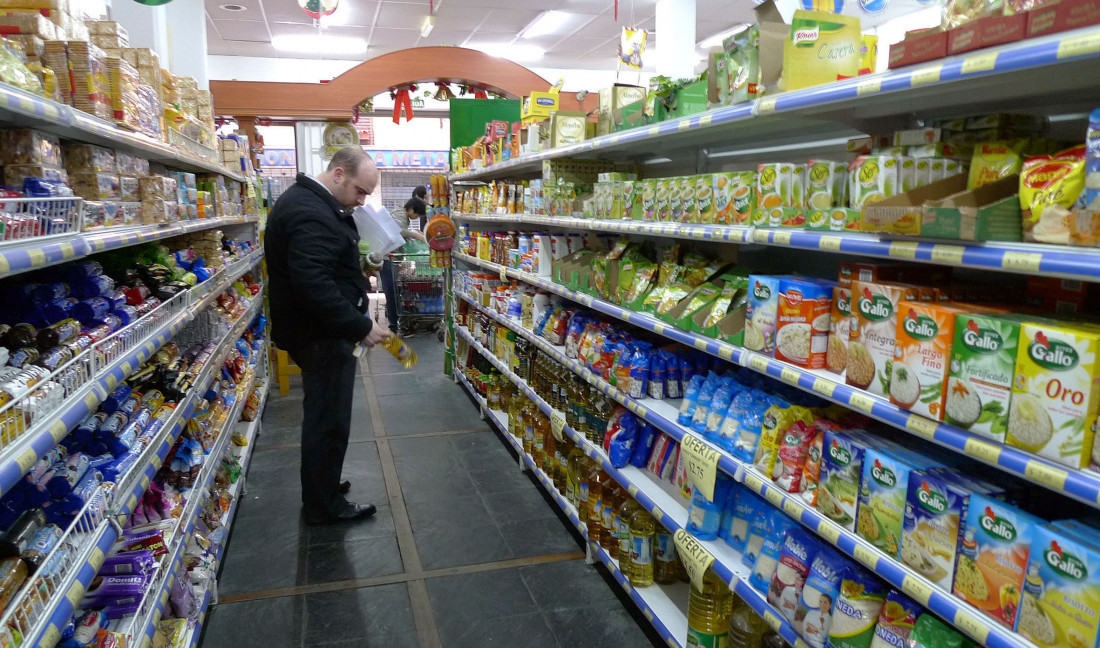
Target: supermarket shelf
664,606
663,415
17,458
251,432
19,108
24,256
196,630
1054,71
1022,258
63,609
1081,485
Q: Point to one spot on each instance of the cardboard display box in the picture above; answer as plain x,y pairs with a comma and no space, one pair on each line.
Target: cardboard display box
1062,15
903,213
920,47
988,213
539,106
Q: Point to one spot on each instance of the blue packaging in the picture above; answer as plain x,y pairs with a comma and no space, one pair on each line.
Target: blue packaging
813,617
86,430
58,309
719,405
644,445
657,373
115,398
705,516
97,286
82,493
82,270
691,400
767,559
673,387
91,309
126,314
117,299
745,506
66,475
729,510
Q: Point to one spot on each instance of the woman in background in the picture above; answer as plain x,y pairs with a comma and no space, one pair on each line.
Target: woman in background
415,209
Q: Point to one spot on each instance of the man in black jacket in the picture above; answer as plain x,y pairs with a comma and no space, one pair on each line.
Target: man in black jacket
318,300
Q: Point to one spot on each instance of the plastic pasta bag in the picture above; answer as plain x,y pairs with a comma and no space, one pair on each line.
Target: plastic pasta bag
705,516
813,617
795,556
691,400
720,404
702,406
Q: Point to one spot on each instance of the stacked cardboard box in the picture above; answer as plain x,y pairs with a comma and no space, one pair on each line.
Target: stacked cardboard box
125,98
109,36
90,80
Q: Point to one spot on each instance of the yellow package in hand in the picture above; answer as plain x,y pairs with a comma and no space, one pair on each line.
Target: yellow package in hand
821,48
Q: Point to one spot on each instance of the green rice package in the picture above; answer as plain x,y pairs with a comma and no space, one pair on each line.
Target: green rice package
930,632
856,612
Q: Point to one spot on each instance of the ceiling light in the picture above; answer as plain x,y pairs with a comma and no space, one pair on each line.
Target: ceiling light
342,16
233,7
518,53
716,40
319,44
547,22
429,25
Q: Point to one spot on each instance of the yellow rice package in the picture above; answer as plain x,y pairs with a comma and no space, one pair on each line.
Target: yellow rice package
1049,186
777,420
995,160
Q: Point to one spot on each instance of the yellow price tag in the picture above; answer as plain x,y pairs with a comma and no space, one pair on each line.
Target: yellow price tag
658,514
919,425
654,130
706,119
633,490
926,75
1049,476
773,620
5,267
659,328
983,450
916,588
903,249
111,381
38,257
91,400
861,401
76,592
67,250
1021,261
951,254
760,236
1079,45
96,559
503,274
51,636
865,556
758,363
701,464
824,386
684,124
557,424
789,375
648,615
782,238
828,531
725,352
979,63
972,625
59,431
774,496
694,556
829,243
792,508
868,86
27,460
765,105
700,344
753,482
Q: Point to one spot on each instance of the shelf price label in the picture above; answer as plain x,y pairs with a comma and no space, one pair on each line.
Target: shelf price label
917,424
758,363
829,243
701,462
753,482
37,257
979,63
792,508
903,249
27,460
1046,475
926,75
781,238
763,107
1021,261
861,401
503,274
951,254
868,86
828,531
694,555
917,588
1079,45
824,386
789,375
67,250
865,556
972,625
983,450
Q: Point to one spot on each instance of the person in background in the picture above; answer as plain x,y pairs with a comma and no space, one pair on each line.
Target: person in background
421,192
318,300
414,208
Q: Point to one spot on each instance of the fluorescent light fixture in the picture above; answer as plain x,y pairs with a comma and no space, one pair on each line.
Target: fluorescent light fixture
519,53
319,44
429,25
782,148
716,40
547,22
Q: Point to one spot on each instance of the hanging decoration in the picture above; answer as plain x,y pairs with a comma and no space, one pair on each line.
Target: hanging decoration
632,47
317,8
402,101
480,94
443,92
365,106
152,3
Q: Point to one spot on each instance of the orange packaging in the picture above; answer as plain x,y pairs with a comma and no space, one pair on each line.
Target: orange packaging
802,323
858,271
918,375
873,333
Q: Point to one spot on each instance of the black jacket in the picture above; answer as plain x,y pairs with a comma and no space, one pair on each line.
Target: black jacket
317,287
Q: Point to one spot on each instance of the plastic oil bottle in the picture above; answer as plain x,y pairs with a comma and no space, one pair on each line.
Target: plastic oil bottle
597,479
642,530
529,415
626,512
666,566
612,500
541,427
561,461
747,628
515,414
404,354
573,477
709,613
549,449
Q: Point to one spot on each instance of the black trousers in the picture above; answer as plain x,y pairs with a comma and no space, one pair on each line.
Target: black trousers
390,290
328,379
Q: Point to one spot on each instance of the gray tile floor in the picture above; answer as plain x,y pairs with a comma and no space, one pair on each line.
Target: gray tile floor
499,566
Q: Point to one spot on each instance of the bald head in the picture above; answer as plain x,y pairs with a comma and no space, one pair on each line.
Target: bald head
351,176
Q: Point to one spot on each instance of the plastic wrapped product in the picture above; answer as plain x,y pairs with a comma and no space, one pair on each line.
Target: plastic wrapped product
98,286
704,399
130,562
767,560
657,377
795,557
43,543
16,174
88,158
719,405
58,334
745,504
644,446
58,309
116,398
13,573
690,401
895,621
857,609
673,388
705,516
90,309
20,535
27,146
813,617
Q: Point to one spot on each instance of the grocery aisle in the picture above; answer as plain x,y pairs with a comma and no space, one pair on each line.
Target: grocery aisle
464,550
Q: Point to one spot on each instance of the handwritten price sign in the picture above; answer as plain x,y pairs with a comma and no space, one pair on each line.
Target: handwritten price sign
694,556
701,462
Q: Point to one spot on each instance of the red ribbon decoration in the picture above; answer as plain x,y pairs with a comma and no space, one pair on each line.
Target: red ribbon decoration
402,101
616,10
480,94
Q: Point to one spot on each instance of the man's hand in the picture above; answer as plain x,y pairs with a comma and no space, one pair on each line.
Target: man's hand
377,335
420,237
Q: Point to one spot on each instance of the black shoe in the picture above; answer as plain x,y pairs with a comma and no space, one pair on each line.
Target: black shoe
351,513
345,486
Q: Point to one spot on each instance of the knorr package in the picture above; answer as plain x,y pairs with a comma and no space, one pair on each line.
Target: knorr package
841,469
873,333
925,334
993,557
995,160
742,53
1049,187
884,485
1060,607
1056,392
825,184
761,313
704,199
871,178
983,365
862,595
936,505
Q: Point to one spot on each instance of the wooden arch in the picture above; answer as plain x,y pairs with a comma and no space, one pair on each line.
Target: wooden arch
336,98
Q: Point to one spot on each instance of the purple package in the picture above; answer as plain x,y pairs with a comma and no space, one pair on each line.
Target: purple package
131,562
116,586
121,610
184,605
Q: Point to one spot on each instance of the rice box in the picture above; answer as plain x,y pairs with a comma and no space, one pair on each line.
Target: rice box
1055,393
1060,607
841,469
936,504
704,199
922,352
873,333
836,358
983,364
883,490
802,325
761,312
993,557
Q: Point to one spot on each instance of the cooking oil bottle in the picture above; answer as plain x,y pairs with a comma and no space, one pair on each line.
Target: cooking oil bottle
626,511
577,399
666,566
596,482
709,613
612,500
404,354
541,427
529,415
574,465
642,530
561,463
492,389
549,450
515,414
747,628
584,476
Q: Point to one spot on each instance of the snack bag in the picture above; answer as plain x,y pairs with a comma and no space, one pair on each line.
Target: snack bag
995,160
1049,187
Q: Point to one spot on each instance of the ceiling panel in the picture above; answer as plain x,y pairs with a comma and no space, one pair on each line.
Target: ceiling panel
251,12
507,21
454,17
444,37
292,29
242,30
402,16
241,48
393,38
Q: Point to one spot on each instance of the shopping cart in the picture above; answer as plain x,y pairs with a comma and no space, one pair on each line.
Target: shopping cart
419,289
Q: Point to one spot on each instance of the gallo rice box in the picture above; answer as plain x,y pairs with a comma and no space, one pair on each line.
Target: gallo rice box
1060,607
761,313
983,364
883,489
993,557
841,469
924,335
873,333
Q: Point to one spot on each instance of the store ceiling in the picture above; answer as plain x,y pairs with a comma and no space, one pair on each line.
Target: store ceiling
588,39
